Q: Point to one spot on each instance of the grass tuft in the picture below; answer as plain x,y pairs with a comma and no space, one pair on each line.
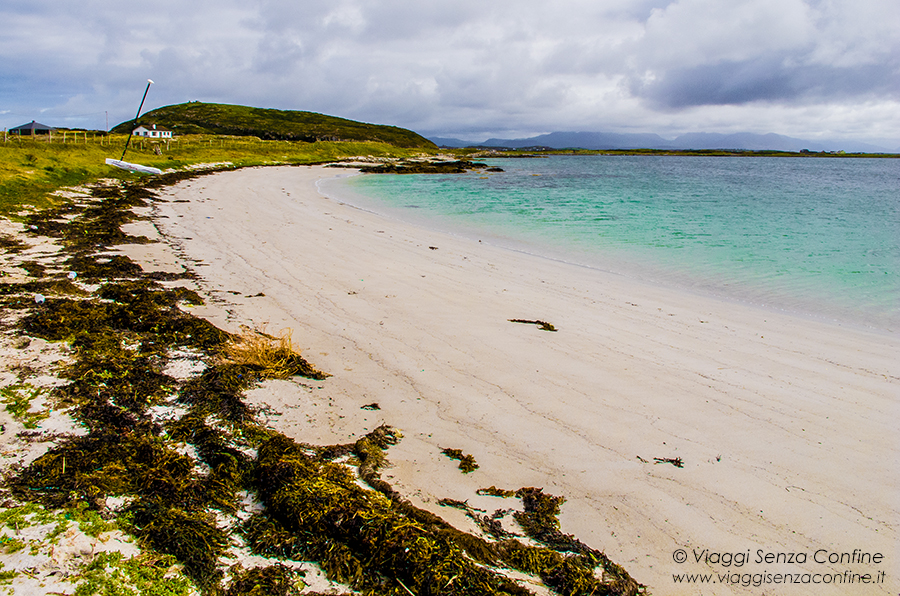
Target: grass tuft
271,357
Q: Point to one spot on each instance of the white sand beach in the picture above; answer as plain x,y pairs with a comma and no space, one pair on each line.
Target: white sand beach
787,428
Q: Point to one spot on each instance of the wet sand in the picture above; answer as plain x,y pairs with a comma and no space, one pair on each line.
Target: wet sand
786,427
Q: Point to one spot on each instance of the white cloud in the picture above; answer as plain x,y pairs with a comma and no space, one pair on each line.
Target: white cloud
863,32
692,32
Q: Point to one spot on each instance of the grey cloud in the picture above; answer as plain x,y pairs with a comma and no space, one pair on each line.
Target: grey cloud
466,65
815,51
767,80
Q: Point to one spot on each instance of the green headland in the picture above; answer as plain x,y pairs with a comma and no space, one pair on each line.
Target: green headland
279,125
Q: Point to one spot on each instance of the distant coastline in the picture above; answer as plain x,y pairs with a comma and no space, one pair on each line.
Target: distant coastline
703,141
507,152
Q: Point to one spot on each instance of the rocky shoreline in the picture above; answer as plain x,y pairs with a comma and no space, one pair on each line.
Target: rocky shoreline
428,167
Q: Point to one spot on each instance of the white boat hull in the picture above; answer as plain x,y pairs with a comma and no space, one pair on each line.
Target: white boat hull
132,167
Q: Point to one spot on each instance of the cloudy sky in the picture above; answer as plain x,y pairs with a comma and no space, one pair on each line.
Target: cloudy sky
814,69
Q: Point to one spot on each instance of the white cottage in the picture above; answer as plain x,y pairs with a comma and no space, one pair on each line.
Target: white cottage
152,131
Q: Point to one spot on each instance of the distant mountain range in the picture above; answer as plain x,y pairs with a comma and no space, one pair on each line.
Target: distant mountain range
743,141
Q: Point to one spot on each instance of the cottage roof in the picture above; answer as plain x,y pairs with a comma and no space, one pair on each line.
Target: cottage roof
151,126
31,126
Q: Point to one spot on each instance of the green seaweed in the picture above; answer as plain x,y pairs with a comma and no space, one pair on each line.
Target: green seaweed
10,545
18,400
110,574
11,245
106,463
94,225
127,378
489,524
90,521
266,536
493,491
34,269
6,577
25,516
274,580
63,318
344,525
540,518
187,533
228,466
93,268
66,319
466,462
43,286
575,574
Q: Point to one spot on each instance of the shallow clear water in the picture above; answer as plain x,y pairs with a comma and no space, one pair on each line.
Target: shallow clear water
819,237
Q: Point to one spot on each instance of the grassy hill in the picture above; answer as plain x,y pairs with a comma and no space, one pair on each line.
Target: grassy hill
286,125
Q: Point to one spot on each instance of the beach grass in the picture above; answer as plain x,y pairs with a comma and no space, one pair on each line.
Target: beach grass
272,357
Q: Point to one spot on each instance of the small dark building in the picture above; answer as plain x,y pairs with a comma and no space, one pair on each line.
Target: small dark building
32,128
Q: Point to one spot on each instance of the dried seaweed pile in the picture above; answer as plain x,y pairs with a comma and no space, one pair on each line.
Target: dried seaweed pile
466,461
182,473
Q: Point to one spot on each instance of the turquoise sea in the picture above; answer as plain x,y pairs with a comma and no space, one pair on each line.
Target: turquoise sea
816,237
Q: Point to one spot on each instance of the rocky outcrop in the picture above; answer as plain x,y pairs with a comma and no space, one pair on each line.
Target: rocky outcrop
428,167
